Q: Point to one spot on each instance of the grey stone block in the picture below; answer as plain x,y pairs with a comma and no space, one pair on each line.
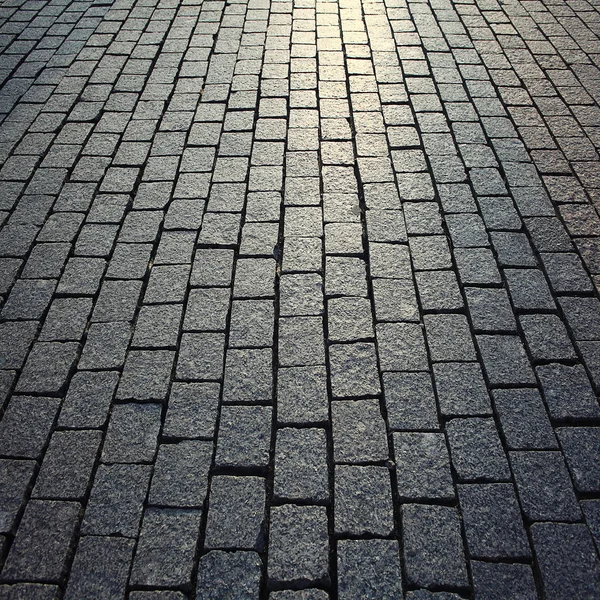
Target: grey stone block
301,469
229,576
180,474
363,501
88,399
461,389
15,478
302,395
39,551
359,433
67,465
132,433
535,473
496,581
48,367
116,501
568,392
409,401
192,410
165,553
100,568
236,513
493,523
433,547
567,560
581,447
368,570
244,437
298,545
476,450
524,419
26,425
423,466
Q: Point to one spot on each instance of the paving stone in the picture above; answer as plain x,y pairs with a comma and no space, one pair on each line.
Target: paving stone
536,471
132,433
494,581
252,323
476,450
236,513
461,389
524,420
358,431
390,261
353,370
15,478
26,425
146,375
229,575
244,436
476,266
568,392
201,356
591,510
449,338
566,273
493,524
368,569
438,290
88,399
490,309
433,547
298,546
504,359
410,401
48,367
34,591
301,294
117,301
423,466
566,558
363,500
308,594
582,317
100,568
212,267
180,474
395,300
39,551
67,465
302,395
301,341
16,338
580,446
528,289
165,552
116,501
207,309
401,347
301,471
66,320
547,337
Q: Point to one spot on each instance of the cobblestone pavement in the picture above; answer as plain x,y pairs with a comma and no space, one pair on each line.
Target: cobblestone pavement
299,295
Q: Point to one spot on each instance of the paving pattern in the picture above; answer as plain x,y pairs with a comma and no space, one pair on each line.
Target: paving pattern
299,299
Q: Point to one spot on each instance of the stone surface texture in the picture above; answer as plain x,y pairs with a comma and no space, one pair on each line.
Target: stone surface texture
299,299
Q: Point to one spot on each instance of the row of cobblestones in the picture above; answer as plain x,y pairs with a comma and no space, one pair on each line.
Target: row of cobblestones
299,299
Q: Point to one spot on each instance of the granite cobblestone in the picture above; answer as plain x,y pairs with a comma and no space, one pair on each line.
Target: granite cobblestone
299,299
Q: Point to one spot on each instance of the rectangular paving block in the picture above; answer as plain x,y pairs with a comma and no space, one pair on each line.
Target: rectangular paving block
298,545
236,513
433,547
39,551
165,552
